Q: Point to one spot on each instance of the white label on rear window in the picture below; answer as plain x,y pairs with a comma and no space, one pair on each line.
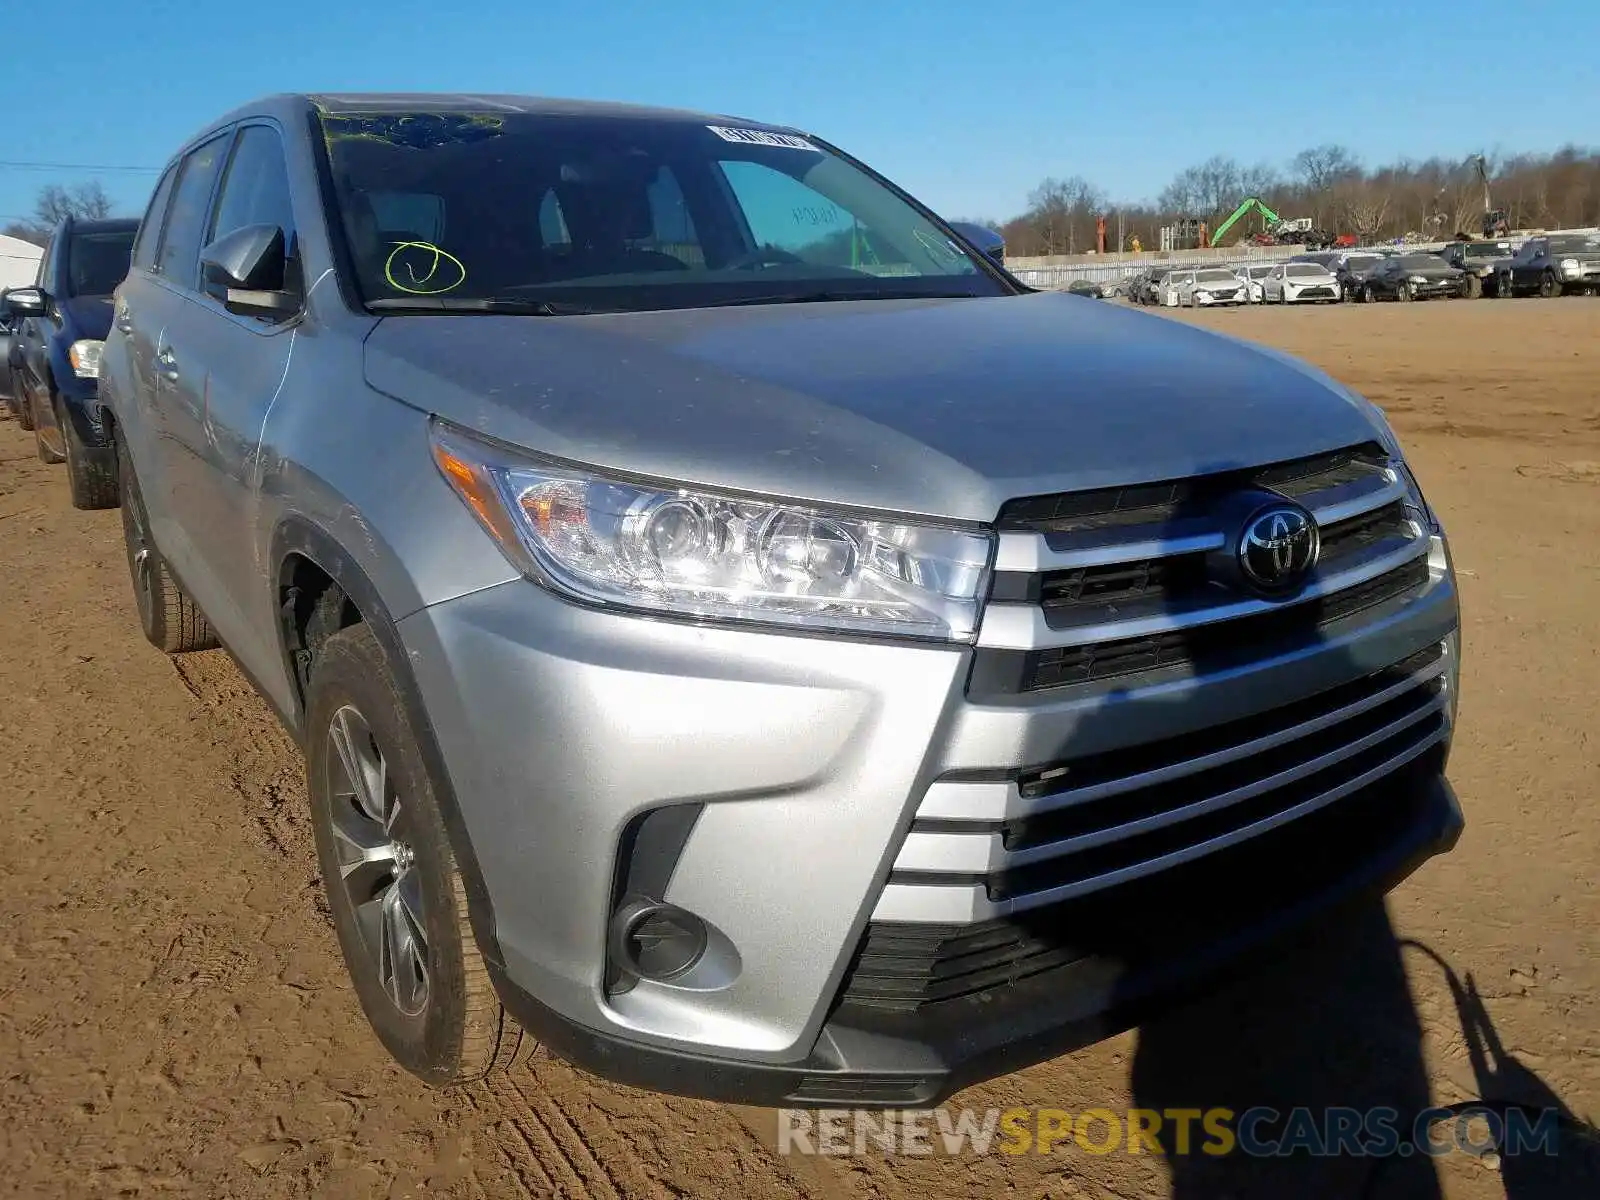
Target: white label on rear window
760,137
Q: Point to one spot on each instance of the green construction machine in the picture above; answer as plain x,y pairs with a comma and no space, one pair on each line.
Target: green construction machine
1279,232
1271,218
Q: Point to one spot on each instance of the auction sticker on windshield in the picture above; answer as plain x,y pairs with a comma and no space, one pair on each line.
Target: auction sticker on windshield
760,137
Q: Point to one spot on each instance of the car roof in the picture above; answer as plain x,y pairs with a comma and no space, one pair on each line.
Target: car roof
292,107
108,225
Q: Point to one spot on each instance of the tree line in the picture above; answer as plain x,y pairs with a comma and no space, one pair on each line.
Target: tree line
1430,199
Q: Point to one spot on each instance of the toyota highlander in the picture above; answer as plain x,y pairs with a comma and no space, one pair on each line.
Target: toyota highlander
739,636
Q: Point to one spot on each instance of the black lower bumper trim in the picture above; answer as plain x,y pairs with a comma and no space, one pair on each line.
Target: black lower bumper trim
856,1065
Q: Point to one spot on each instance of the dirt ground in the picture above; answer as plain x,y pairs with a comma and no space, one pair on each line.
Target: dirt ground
174,1017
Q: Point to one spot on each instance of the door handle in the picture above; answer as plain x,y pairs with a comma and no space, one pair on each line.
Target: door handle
169,362
124,322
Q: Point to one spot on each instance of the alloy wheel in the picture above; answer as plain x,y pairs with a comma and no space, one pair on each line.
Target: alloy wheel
378,871
141,557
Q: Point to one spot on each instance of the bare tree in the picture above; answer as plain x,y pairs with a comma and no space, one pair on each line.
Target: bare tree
87,201
1320,167
1365,209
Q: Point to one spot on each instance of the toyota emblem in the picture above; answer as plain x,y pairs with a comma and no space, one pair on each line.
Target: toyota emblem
1278,547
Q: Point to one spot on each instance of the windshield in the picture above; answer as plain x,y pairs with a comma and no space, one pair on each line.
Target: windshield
1575,245
1485,250
1216,277
1422,262
621,213
1260,272
97,262
1362,262
1305,270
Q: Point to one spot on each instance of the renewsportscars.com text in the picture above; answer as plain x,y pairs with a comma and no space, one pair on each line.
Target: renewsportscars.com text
1258,1132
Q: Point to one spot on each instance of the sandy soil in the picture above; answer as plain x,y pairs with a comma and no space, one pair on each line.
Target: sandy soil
174,1018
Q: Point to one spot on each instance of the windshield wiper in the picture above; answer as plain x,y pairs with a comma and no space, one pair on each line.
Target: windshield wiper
828,296
509,305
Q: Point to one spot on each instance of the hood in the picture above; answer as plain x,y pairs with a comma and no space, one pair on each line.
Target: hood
1442,271
87,317
940,407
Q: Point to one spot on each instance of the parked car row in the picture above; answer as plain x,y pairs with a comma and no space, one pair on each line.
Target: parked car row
1554,265
739,636
53,336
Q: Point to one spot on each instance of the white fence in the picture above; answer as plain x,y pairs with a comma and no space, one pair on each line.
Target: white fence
1112,272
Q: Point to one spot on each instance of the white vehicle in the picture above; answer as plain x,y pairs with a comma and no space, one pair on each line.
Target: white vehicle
1255,278
1301,282
1212,287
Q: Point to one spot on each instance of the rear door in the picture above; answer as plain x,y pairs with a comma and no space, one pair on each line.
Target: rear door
179,393
231,367
128,367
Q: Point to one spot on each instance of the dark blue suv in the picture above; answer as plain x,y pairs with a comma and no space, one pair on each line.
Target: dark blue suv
60,326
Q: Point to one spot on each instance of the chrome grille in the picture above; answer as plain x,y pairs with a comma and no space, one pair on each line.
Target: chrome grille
1118,582
983,847
1127,589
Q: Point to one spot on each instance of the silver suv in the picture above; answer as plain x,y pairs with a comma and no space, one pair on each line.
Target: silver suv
738,634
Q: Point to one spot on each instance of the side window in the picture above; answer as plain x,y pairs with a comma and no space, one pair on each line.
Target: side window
786,216
179,256
41,273
149,237
671,222
255,191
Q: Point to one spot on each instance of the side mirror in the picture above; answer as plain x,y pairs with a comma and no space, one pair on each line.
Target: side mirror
247,269
985,241
27,301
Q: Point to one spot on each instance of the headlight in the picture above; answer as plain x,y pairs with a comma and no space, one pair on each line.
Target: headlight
1202,295
85,358
1416,502
1419,279
1569,264
683,550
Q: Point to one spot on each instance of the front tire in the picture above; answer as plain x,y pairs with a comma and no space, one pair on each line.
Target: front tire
398,900
1550,286
1403,293
1474,288
20,404
91,478
171,621
37,407
1369,294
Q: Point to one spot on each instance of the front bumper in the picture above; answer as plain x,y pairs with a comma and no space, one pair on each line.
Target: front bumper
1221,301
78,396
804,760
1314,292
1254,901
1435,288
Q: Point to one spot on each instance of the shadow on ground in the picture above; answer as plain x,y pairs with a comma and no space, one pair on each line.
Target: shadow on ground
1332,1025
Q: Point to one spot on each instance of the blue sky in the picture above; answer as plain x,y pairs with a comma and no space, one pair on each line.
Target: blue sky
968,105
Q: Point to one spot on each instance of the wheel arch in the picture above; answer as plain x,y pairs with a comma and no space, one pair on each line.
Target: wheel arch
320,587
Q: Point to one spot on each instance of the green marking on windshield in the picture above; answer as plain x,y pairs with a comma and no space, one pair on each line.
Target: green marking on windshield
413,130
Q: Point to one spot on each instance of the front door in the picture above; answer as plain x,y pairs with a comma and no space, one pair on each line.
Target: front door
229,368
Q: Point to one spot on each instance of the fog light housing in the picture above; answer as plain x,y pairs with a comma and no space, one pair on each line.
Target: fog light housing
656,941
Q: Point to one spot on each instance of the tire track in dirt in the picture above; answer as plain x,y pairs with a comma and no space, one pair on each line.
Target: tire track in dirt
269,775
